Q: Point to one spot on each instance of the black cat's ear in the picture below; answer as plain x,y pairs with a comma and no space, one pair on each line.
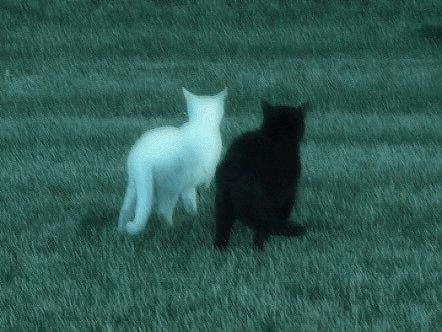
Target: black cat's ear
305,107
266,110
265,105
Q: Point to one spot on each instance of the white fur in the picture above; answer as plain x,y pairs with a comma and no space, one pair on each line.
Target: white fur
168,162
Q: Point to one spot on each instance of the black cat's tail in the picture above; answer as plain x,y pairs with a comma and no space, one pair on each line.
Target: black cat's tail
286,228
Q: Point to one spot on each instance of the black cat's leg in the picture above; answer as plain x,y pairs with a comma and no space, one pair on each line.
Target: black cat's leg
287,208
225,217
260,215
283,226
259,238
223,228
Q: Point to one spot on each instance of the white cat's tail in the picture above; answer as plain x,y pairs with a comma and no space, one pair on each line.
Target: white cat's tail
128,208
140,194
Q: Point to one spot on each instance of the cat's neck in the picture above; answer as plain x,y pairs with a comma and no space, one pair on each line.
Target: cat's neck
280,138
205,122
203,125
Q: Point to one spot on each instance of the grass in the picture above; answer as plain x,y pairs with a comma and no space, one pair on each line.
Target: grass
80,80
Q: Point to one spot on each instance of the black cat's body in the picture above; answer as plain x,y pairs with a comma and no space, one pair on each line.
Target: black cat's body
257,179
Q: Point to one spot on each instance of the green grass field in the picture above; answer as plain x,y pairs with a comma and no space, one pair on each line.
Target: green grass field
81,80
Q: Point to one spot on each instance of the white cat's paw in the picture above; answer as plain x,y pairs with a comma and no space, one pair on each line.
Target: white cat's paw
169,220
133,228
191,206
189,200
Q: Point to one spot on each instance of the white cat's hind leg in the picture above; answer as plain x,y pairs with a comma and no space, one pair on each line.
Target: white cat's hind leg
189,200
144,193
128,207
166,204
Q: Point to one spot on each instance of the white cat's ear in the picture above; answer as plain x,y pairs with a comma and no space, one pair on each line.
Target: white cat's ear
222,94
187,94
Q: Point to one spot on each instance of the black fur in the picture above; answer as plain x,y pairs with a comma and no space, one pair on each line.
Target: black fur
257,179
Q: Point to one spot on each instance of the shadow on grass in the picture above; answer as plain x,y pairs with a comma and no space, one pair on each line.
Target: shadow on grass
10,265
99,219
431,33
94,221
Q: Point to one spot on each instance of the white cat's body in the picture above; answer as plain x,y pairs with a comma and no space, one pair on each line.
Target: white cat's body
168,162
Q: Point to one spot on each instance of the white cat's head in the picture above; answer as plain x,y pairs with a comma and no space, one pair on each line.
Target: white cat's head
207,109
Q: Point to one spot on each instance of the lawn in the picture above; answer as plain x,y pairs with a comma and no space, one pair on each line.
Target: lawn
81,80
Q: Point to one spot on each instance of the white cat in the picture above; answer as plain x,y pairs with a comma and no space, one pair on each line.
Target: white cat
168,162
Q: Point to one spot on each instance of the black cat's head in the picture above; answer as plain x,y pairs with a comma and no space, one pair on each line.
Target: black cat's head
284,123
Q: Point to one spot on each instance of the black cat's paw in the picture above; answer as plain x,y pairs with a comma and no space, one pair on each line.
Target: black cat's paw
220,245
259,246
259,239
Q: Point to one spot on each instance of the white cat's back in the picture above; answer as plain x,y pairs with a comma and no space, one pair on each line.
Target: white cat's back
205,145
172,154
190,152
157,147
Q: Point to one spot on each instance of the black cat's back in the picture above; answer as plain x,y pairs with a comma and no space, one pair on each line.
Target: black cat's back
256,156
257,179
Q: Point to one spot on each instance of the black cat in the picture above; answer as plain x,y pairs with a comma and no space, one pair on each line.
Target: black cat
257,179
